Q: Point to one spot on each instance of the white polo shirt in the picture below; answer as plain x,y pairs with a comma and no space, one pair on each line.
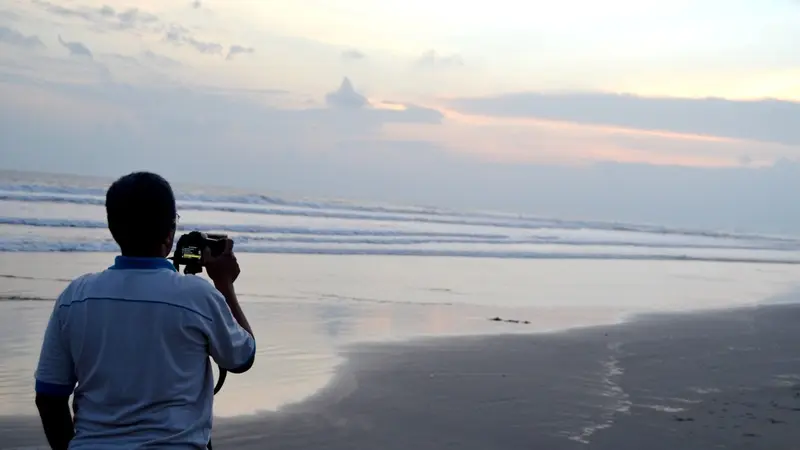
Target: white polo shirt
132,343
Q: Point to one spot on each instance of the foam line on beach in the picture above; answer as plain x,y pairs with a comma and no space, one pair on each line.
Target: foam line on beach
110,246
24,298
18,237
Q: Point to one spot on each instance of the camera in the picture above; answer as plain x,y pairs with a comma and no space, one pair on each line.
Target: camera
190,247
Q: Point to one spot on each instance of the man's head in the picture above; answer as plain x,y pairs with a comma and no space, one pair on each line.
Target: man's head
141,213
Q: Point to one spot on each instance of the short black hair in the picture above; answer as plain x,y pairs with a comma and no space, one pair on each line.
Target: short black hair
141,212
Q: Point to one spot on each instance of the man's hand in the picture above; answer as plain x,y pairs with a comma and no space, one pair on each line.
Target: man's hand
222,269
56,420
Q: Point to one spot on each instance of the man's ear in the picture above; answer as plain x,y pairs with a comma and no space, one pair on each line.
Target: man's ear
169,241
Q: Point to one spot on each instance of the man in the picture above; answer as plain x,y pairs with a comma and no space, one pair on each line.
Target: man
132,342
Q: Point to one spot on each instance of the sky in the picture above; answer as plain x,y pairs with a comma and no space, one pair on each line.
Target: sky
682,113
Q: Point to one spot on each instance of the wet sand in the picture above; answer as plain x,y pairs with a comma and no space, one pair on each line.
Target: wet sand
694,381
307,308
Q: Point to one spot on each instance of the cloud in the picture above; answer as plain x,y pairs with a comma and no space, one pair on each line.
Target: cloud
776,121
144,67
352,55
160,60
13,37
105,16
351,114
170,112
59,10
248,91
8,15
181,36
38,69
410,113
75,48
212,48
432,59
731,150
238,50
124,58
131,18
346,97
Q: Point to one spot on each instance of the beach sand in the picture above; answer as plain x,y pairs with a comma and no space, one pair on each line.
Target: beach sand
725,379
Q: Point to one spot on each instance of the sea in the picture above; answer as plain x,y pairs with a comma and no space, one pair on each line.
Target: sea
320,275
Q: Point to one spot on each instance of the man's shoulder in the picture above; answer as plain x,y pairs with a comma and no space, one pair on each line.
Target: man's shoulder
188,292
193,284
195,294
77,286
180,285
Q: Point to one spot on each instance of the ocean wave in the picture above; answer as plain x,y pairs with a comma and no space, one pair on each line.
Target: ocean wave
15,240
247,199
318,213
108,246
17,236
260,204
263,229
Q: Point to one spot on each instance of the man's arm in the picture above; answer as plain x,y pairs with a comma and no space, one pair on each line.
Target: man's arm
227,291
55,380
231,343
56,420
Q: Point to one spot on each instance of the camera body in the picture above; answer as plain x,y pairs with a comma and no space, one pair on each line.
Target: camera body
190,247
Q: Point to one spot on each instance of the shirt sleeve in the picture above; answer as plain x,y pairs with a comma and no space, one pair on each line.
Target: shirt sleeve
55,372
230,345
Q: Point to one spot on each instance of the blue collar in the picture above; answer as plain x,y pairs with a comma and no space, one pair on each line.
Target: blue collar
130,262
